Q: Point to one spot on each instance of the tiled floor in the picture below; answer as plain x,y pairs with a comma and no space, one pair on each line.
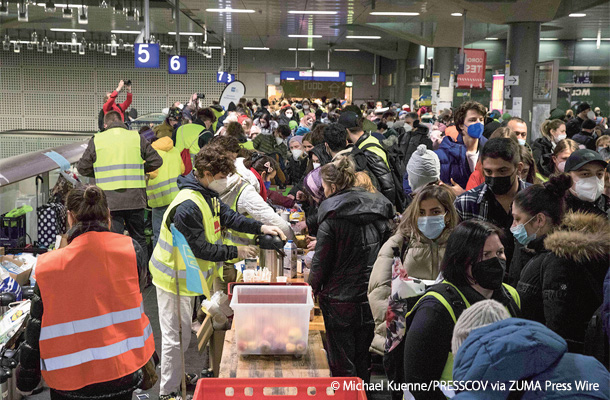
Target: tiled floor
194,362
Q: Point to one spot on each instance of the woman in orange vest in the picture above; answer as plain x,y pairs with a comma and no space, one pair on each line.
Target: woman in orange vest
92,337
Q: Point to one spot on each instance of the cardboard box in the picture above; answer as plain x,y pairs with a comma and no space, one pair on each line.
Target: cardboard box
22,276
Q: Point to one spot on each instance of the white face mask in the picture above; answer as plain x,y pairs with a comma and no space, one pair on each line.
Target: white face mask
559,138
316,165
279,140
589,189
305,107
521,142
390,124
296,153
289,114
218,185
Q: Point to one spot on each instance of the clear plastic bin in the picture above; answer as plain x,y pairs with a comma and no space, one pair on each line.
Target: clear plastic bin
271,319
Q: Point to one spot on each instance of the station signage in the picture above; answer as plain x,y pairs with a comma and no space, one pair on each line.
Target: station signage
475,61
177,65
146,55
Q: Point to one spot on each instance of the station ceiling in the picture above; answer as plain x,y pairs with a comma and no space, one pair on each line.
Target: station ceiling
273,21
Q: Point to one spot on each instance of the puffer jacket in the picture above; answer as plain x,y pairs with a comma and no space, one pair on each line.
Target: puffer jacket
454,164
28,371
421,260
542,149
352,226
250,203
520,352
564,288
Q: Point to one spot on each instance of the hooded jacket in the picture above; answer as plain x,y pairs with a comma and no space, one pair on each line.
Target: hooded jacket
163,144
375,165
352,227
563,288
189,221
517,352
418,263
250,203
164,129
454,164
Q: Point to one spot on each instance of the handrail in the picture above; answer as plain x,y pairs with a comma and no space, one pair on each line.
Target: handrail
29,165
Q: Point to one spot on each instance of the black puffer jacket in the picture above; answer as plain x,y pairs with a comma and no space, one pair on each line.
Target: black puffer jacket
408,142
542,149
28,370
376,166
296,170
352,227
563,288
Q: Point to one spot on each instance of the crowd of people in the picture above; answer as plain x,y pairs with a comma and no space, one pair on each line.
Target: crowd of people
511,235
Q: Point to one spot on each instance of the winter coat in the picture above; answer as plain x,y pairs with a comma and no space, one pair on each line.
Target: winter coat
295,170
542,149
606,307
28,371
250,203
163,130
409,141
189,221
247,174
564,288
522,256
585,139
418,262
601,206
573,126
352,227
454,164
518,351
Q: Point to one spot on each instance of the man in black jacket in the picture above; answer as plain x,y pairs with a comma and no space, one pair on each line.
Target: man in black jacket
574,125
376,158
586,136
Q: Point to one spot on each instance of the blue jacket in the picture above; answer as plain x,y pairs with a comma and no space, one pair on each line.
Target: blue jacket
453,160
606,307
516,349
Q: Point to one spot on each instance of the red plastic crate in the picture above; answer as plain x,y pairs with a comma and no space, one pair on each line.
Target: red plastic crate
233,284
221,388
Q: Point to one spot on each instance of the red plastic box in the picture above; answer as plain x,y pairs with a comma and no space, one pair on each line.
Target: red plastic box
261,389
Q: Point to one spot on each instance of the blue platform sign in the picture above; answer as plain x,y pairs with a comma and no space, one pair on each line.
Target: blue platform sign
225,77
177,65
147,55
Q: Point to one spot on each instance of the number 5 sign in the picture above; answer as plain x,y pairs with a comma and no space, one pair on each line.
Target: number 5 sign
147,55
176,65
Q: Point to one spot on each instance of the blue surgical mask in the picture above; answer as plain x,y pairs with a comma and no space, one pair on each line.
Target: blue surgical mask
521,235
521,142
431,227
475,130
267,185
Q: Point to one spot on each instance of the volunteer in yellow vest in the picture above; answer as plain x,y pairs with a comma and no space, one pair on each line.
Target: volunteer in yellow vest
243,198
235,130
88,335
162,184
199,215
118,159
187,137
473,268
376,158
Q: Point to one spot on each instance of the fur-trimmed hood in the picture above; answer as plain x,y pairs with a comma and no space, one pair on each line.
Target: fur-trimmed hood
582,237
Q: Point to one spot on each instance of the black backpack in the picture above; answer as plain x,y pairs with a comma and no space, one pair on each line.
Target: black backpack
407,144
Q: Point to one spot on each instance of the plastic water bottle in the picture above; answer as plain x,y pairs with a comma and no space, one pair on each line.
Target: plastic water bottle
290,259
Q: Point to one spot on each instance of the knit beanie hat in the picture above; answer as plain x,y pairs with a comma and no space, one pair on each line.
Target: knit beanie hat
506,117
296,139
480,314
423,167
293,125
302,130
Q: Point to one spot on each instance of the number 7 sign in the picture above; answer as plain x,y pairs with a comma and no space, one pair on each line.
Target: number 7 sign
146,55
225,77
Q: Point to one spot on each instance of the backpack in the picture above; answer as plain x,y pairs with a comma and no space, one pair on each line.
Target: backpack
407,144
394,162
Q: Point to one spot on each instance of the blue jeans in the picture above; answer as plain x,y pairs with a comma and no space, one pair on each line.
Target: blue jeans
157,219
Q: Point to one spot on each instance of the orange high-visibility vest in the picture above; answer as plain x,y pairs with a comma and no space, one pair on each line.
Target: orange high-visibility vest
93,326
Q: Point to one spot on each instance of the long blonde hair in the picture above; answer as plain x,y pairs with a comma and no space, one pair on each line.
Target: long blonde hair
444,195
548,126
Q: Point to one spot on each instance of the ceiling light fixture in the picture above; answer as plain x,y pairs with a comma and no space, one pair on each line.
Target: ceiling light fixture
230,10
395,13
3,7
16,47
66,13
187,33
305,36
300,49
346,49
491,38
83,15
456,14
313,12
363,37
256,48
577,15
49,6
594,39
121,32
22,11
67,30
546,39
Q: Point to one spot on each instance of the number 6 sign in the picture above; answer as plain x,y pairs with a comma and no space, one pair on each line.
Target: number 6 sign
176,65
147,55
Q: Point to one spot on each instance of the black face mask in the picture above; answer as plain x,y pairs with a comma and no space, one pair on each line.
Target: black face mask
500,185
489,273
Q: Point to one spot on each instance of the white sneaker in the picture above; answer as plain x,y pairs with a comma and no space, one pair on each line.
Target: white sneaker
195,326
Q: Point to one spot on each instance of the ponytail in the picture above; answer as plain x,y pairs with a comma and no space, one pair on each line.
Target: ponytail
340,173
548,198
548,126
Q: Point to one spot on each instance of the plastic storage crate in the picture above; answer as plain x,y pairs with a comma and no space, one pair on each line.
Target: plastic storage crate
267,388
271,319
233,285
12,231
